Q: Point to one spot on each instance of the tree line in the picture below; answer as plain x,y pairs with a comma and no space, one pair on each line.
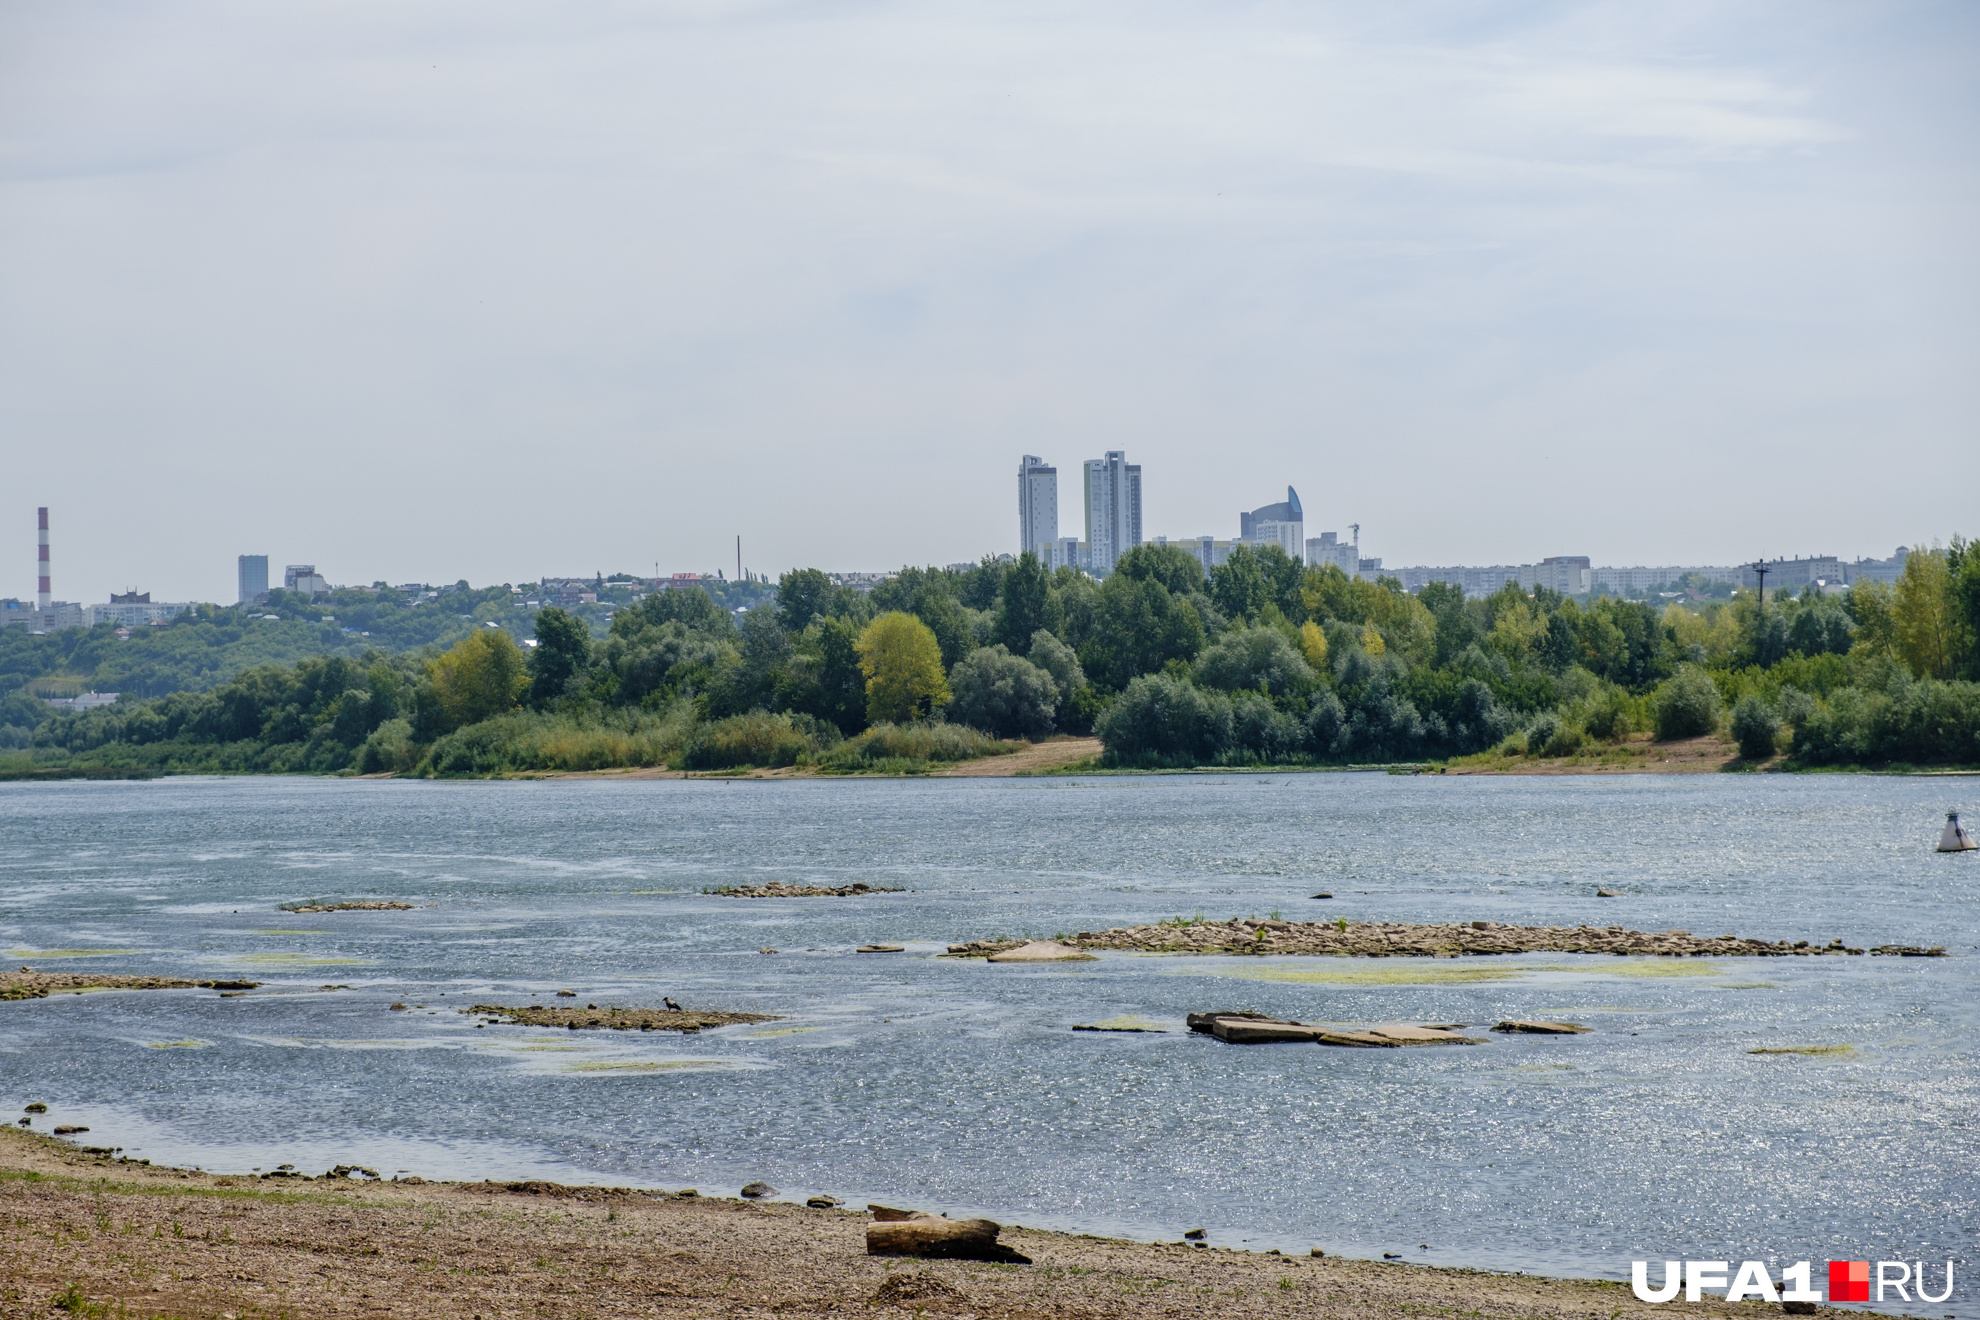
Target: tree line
1260,661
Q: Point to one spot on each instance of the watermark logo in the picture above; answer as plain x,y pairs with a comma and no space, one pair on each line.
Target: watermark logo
1849,1281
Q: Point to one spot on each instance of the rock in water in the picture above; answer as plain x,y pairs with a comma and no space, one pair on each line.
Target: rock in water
1042,951
1607,893
757,1190
823,1202
1514,1025
881,948
935,1237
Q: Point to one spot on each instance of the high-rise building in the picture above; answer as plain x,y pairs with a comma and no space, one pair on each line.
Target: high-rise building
1113,509
1282,524
1038,507
253,572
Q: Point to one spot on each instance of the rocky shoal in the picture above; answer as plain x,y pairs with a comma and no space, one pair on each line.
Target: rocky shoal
1385,939
778,889
368,905
29,984
593,1018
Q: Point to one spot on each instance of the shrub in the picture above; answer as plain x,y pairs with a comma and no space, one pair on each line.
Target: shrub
1162,720
1687,705
1922,722
1260,659
909,746
1327,726
1261,733
1542,732
1610,719
390,747
757,738
1754,728
1002,694
1057,659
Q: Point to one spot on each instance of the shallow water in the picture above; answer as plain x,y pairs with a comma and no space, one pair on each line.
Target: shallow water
958,1086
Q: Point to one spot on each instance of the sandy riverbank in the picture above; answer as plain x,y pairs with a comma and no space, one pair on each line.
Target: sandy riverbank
132,1240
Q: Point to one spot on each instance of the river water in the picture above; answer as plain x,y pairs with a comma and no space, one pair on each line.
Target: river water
959,1086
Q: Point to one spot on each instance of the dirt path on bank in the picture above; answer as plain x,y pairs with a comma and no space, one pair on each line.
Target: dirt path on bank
122,1239
1035,758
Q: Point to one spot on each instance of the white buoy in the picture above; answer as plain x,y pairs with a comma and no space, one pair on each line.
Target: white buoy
1955,838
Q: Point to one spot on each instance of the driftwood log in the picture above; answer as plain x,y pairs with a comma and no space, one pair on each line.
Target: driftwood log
936,1237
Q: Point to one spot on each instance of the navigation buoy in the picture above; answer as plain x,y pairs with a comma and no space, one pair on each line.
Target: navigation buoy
1955,838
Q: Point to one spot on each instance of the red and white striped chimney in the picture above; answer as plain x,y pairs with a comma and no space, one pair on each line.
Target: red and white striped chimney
41,590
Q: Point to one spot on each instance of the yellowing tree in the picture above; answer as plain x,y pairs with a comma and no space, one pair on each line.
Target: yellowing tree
1371,641
1313,644
1922,618
902,662
480,678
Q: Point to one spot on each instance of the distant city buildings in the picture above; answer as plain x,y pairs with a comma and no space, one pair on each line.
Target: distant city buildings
1038,507
1113,510
252,573
1282,524
305,578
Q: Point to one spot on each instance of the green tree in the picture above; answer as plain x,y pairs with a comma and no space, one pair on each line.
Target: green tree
1755,728
1171,565
823,678
479,678
1002,694
802,595
1963,568
1138,628
1687,705
1027,602
1239,586
902,662
1925,626
562,653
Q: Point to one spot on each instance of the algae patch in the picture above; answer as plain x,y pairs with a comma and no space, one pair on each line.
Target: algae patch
1396,975
1834,1050
297,960
177,1044
778,1031
689,1065
67,953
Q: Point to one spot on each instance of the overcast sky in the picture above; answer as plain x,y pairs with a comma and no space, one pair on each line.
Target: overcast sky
421,291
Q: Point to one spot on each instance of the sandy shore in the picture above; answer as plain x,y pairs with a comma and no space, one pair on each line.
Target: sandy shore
131,1240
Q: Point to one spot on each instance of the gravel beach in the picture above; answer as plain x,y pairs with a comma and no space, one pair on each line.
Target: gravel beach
92,1235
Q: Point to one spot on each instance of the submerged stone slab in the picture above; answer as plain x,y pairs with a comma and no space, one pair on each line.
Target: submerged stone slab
1042,951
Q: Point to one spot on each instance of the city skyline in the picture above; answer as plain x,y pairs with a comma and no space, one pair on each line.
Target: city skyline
485,292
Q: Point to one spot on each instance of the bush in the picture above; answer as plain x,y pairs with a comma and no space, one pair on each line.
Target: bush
1002,694
1261,733
1161,720
1754,728
1610,719
1327,726
1542,732
389,748
1911,721
1057,659
1687,705
1259,659
904,747
753,739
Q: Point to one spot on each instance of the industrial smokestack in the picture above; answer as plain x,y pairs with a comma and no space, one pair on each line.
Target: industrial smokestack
41,564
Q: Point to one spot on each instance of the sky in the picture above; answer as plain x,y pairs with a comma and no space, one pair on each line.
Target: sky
427,290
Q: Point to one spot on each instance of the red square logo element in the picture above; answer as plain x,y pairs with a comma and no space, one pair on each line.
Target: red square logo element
1849,1281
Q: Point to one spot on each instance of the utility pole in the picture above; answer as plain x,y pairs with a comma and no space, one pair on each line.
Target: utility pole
739,558
1760,571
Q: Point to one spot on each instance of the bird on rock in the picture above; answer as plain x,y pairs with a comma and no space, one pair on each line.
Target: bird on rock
671,1004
